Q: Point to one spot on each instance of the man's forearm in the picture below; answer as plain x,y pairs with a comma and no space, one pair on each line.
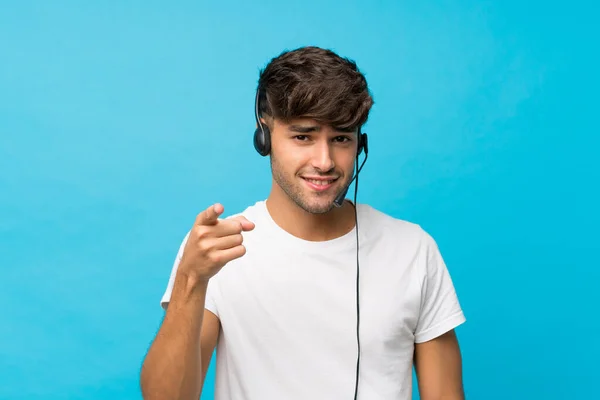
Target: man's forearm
173,366
457,394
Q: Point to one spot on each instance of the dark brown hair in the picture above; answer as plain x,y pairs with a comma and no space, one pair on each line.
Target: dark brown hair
316,83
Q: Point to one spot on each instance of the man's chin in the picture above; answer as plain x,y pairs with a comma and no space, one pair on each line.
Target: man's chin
319,204
317,210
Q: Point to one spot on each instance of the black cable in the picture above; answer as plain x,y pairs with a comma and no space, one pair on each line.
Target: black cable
357,281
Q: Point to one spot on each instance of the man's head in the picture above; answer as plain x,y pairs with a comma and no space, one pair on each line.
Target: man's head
314,103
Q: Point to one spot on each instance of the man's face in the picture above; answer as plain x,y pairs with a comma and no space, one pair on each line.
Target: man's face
312,163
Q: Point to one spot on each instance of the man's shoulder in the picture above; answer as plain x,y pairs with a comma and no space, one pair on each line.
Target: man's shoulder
380,220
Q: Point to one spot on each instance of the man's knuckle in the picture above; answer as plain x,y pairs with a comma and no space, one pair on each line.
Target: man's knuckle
215,258
202,232
239,239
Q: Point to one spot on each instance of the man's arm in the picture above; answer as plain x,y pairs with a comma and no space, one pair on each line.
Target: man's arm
177,361
438,366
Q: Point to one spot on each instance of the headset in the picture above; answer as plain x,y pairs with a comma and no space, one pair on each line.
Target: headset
262,144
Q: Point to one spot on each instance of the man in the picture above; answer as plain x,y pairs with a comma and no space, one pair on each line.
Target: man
275,288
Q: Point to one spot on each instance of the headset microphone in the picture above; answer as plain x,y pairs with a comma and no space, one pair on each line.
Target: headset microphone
339,200
363,145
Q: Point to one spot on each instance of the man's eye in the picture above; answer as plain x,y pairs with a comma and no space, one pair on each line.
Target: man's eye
301,137
342,139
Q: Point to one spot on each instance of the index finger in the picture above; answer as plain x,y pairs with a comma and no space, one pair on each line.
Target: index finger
210,216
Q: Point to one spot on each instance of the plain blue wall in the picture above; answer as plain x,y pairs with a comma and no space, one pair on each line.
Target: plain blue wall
119,121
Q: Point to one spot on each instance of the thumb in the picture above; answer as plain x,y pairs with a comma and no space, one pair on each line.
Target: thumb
246,224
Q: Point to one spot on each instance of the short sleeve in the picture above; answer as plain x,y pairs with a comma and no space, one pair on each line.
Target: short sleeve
440,309
210,302
164,302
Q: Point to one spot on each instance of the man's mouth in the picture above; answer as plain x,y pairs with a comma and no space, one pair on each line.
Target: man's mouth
320,184
320,181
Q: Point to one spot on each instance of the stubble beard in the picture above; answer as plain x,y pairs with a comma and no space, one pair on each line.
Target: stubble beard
296,193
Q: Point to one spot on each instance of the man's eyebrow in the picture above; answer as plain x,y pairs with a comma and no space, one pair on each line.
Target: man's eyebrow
304,128
346,130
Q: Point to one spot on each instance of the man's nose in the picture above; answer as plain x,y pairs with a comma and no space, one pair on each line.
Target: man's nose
322,156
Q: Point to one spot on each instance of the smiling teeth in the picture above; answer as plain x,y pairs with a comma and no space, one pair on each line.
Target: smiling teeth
319,182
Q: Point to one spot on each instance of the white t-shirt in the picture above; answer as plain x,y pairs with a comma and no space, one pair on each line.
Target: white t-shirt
288,310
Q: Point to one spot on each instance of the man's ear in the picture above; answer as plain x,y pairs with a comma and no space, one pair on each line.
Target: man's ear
268,121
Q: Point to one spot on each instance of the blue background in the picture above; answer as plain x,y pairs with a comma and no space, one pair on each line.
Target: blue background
119,121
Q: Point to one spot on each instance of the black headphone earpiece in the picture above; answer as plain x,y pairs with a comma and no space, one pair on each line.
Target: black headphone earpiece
262,134
262,139
363,143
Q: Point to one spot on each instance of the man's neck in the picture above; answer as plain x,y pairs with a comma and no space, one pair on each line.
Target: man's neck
312,227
